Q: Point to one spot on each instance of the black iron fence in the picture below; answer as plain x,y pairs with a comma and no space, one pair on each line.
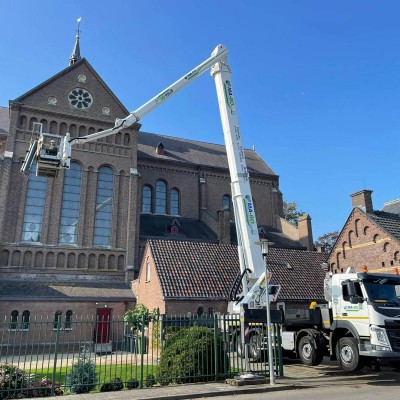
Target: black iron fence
42,357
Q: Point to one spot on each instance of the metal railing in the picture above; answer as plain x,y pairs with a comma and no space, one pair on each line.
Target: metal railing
48,357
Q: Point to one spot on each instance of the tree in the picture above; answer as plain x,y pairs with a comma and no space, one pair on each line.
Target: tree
290,212
327,241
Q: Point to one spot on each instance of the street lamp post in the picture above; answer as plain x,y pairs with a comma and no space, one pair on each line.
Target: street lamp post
264,250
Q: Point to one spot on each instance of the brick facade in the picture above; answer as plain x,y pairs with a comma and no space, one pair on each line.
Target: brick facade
363,241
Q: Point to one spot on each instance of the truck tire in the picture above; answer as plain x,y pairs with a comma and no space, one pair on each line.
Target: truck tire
309,352
347,354
255,352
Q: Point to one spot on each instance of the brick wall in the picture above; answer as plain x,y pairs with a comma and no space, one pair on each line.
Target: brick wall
362,242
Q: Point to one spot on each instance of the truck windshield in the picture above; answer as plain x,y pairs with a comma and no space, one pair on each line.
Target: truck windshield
383,294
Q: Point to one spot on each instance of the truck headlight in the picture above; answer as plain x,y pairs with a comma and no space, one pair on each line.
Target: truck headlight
379,334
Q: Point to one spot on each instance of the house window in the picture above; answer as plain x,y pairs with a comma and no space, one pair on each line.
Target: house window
25,320
385,247
147,201
14,320
68,320
356,225
200,311
57,319
70,205
174,201
34,207
226,202
161,197
375,238
148,272
211,311
103,217
366,230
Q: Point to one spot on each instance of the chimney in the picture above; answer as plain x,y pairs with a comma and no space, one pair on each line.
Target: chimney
362,199
224,226
305,232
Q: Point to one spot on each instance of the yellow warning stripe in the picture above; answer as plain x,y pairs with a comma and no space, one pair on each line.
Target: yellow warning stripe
348,317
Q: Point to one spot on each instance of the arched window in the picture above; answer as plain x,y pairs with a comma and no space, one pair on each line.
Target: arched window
70,205
22,122
44,125
174,202
375,238
72,130
57,319
103,217
161,197
386,247
200,311
226,202
351,238
14,320
127,139
34,207
147,199
356,225
25,320
53,127
68,320
366,230
63,128
211,311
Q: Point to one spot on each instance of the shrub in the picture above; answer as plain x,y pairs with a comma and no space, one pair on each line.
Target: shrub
150,380
189,356
12,381
82,378
115,385
132,384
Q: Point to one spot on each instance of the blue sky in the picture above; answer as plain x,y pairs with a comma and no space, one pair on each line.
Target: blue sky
317,83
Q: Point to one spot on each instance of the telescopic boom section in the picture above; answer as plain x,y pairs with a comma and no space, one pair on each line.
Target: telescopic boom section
219,53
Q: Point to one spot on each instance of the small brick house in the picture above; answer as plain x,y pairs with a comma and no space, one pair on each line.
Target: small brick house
368,238
181,277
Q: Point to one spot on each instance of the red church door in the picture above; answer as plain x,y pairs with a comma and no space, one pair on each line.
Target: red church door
103,325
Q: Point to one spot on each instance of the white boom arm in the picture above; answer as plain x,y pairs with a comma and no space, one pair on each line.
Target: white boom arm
251,262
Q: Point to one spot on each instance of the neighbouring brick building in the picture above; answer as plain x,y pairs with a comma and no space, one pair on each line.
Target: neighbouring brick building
196,277
71,245
368,238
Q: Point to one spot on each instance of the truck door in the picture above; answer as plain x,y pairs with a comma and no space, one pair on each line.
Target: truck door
354,308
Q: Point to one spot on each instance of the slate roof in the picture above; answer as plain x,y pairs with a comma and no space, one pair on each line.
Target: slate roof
199,270
392,207
272,235
194,152
158,226
64,291
4,121
388,221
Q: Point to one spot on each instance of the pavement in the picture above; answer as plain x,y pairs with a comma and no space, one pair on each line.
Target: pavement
296,377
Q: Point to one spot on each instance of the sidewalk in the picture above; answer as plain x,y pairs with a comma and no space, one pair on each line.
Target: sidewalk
297,376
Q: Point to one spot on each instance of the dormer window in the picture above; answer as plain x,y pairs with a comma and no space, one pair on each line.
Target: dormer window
160,149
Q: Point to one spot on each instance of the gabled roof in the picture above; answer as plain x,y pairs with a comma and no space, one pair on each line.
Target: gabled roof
194,152
4,121
388,222
68,70
199,270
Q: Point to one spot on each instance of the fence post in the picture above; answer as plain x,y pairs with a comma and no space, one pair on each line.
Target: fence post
141,350
53,375
279,345
216,347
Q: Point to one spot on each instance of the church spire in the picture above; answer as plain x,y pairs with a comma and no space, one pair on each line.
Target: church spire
76,52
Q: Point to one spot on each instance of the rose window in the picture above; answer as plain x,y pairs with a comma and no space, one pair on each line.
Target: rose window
80,98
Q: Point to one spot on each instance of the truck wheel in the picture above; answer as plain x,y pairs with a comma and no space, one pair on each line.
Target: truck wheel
255,348
347,354
309,353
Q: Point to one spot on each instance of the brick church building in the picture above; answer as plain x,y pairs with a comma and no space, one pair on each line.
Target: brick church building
71,245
